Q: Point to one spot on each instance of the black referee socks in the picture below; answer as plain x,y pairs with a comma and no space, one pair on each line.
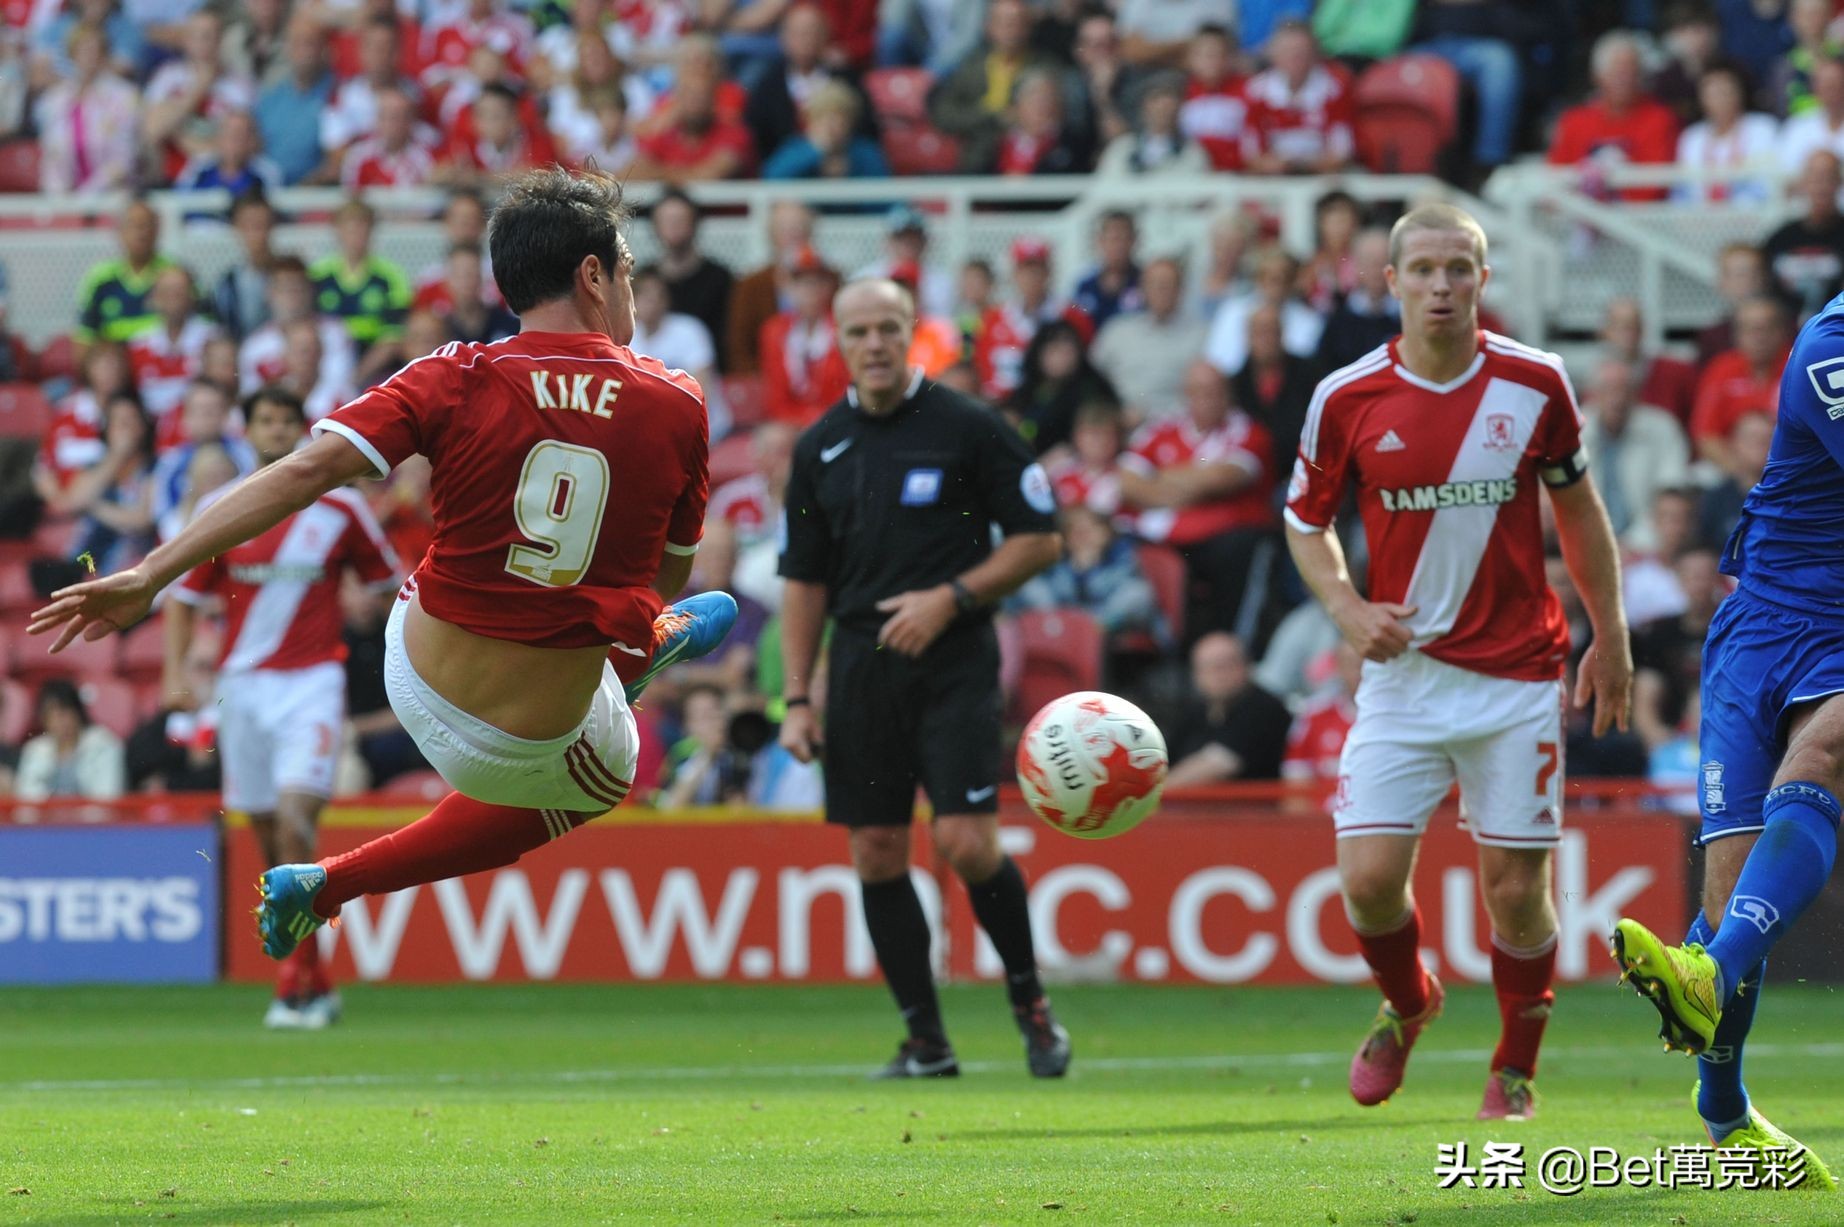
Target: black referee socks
999,903
899,934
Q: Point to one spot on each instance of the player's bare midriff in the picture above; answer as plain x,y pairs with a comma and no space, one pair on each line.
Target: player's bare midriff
528,692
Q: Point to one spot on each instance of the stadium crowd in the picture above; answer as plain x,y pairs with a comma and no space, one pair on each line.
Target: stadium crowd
1165,395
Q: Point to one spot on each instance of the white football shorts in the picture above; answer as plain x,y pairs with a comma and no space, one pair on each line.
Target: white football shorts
588,770
280,730
1422,724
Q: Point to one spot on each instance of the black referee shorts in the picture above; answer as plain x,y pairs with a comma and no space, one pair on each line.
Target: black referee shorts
893,722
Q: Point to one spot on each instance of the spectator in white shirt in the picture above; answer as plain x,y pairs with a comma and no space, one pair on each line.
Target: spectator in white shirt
86,124
1144,353
1728,137
1157,33
1276,274
1634,451
1822,127
680,341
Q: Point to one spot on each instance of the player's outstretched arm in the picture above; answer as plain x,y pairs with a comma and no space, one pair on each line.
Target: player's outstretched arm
1606,672
1373,628
255,505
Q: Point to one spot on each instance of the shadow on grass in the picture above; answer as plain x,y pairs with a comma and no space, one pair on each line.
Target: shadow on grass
1225,1128
184,1210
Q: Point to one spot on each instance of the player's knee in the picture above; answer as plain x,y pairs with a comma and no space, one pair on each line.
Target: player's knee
1516,902
1374,895
1814,760
971,850
880,853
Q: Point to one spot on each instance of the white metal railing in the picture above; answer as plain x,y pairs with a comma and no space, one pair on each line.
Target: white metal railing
1547,277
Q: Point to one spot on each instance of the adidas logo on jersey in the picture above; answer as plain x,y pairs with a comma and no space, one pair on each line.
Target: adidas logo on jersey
1390,442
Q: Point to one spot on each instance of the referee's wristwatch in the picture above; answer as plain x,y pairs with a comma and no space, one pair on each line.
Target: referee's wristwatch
964,600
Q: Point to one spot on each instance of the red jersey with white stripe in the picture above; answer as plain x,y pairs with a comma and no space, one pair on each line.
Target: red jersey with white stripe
1316,741
1240,441
1078,485
447,48
163,365
280,591
1217,118
747,505
1301,125
367,163
1005,334
74,441
562,467
1446,480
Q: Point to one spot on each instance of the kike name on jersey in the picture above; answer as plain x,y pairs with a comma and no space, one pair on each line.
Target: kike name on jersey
573,393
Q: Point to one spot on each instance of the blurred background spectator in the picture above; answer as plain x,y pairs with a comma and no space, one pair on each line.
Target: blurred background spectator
70,757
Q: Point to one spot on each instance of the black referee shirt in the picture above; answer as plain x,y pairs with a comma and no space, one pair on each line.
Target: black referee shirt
877,506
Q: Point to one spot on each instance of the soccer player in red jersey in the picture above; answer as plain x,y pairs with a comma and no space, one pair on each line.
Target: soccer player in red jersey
568,484
1446,432
281,677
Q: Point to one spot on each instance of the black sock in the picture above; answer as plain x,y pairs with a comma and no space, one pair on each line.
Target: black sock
899,934
999,903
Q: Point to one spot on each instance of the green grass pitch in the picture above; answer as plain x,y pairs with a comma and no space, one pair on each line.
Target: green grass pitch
577,1104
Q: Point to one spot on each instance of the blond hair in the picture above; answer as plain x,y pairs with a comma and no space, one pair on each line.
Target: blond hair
1436,217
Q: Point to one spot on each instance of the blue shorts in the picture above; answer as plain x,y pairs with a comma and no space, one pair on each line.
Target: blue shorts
1760,661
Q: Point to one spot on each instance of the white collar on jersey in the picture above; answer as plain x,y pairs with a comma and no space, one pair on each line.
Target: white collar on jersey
1457,381
915,385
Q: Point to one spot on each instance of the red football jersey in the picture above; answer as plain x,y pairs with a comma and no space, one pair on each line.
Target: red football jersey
1301,125
1447,485
747,504
281,590
1316,741
1217,118
1178,443
562,465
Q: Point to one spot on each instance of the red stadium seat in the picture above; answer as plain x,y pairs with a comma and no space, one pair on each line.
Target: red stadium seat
111,703
15,711
84,658
17,596
917,149
58,360
899,95
1164,569
1062,652
53,538
732,458
24,411
417,785
19,166
1408,109
744,394
143,653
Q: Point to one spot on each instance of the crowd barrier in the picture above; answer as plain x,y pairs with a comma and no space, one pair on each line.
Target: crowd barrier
1224,886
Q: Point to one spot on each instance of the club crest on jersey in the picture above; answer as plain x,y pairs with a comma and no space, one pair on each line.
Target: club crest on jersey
1715,798
1500,432
1828,381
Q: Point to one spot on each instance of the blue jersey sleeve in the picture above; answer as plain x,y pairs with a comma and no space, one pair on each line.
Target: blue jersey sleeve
1812,391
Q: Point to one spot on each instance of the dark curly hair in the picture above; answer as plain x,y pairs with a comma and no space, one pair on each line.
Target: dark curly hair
544,225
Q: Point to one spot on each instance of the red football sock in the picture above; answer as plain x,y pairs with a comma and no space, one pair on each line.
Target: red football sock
288,977
1522,980
1395,960
459,836
313,981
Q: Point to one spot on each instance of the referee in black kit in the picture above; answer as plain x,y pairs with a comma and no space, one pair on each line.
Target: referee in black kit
890,508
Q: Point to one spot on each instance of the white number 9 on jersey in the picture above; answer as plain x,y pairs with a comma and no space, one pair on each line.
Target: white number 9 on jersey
563,492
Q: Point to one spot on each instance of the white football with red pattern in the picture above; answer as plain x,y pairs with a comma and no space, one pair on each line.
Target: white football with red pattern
1092,765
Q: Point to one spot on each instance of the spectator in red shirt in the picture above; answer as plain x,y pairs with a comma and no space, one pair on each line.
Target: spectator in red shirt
1203,483
353,113
1299,109
1621,123
1037,141
399,153
1316,741
1670,383
693,141
450,45
502,142
1745,380
1006,330
803,372
1215,112
346,45
1087,472
1741,274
